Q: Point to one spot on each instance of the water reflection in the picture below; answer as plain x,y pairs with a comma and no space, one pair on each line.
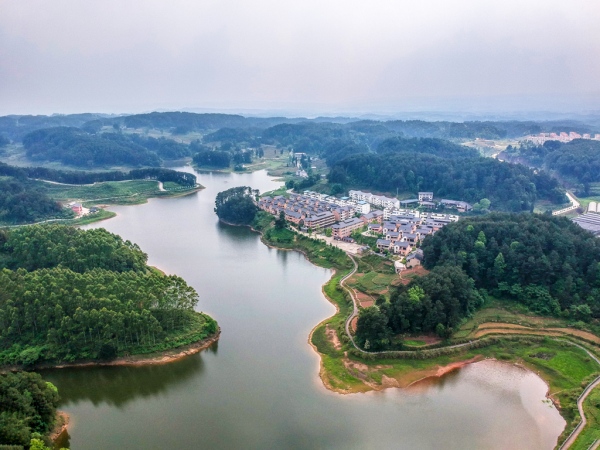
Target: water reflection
118,385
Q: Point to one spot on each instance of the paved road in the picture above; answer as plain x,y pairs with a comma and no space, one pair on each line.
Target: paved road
590,387
574,205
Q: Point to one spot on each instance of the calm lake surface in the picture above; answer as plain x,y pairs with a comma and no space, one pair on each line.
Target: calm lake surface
259,387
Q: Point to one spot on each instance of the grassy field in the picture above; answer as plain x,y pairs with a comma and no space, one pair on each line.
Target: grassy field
114,192
100,191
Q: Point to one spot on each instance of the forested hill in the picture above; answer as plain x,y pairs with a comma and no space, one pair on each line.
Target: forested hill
15,127
79,148
68,294
548,264
509,187
578,160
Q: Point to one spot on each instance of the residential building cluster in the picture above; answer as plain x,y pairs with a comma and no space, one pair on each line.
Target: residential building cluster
392,206
314,210
399,234
399,230
561,137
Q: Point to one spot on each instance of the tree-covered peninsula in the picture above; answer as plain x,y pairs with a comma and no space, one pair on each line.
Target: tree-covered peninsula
68,295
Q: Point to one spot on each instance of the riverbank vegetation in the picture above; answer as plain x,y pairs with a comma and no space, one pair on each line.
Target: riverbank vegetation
70,295
28,410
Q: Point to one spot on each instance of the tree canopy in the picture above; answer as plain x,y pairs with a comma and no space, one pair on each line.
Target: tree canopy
549,263
28,407
237,205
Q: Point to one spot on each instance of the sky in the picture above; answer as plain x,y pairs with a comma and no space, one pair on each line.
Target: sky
305,57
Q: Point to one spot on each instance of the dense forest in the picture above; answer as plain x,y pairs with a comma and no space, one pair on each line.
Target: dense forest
28,409
237,205
68,294
23,202
578,160
549,264
76,147
509,187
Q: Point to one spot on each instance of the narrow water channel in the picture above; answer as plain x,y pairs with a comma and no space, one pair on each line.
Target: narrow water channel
259,387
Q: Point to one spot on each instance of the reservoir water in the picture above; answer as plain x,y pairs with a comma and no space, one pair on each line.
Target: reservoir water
259,388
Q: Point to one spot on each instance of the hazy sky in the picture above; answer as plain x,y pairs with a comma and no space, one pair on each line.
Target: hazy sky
303,55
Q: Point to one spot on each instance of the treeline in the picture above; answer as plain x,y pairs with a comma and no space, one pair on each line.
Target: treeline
509,187
15,127
91,297
184,122
428,146
237,205
23,202
80,177
578,160
550,264
28,409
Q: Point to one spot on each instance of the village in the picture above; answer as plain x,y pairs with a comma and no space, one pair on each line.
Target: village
398,230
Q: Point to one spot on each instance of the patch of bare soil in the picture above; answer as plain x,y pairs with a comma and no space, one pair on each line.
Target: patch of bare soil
480,333
427,338
487,325
61,425
164,357
580,333
364,300
407,275
333,337
353,324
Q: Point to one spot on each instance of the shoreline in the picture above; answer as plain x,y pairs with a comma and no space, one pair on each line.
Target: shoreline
63,420
436,372
156,358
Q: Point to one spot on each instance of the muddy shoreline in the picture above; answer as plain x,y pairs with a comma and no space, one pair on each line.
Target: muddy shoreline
163,357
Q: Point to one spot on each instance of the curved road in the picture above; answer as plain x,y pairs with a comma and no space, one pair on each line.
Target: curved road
590,387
